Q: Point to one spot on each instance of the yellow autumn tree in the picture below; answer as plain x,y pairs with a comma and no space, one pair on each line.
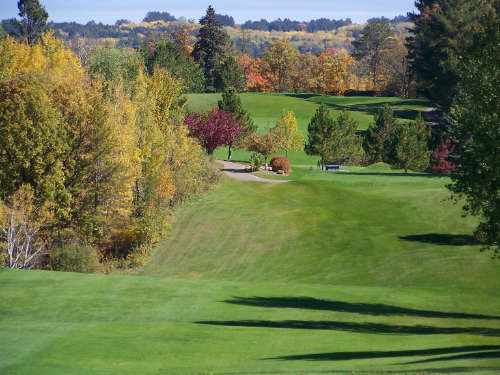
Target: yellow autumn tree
286,134
335,68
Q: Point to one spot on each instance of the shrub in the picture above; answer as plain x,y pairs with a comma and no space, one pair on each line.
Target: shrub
280,163
440,157
256,161
75,258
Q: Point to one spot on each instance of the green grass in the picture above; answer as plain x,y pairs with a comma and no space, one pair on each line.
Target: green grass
265,109
363,272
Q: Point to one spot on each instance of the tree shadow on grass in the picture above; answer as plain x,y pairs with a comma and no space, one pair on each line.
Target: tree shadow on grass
373,108
304,96
479,355
349,307
396,174
347,356
372,328
443,239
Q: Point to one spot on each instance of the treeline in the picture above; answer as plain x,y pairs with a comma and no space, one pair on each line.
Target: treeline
92,160
321,24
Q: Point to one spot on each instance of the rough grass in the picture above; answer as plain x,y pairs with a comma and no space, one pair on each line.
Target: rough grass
265,109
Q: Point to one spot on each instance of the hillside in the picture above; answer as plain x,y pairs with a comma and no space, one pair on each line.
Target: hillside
130,34
369,271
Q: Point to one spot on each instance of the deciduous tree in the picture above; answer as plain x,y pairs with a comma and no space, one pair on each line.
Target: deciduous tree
22,222
286,133
213,130
376,38
281,59
262,144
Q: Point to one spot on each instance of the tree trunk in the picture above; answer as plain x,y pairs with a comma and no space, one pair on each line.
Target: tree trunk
229,152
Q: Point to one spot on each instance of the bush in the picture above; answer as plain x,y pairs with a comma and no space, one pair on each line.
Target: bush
256,161
280,163
75,258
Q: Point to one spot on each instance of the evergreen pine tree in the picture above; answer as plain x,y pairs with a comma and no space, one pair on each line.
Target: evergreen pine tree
319,128
379,141
211,48
411,151
443,30
33,21
231,103
230,75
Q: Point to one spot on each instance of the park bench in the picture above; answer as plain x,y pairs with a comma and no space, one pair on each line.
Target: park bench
334,167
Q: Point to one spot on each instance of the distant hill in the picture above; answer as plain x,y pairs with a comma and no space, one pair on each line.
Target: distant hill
250,37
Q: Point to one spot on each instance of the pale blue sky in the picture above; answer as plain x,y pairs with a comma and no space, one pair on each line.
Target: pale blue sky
108,11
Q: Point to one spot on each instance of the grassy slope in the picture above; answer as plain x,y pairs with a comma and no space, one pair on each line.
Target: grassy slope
333,272
265,109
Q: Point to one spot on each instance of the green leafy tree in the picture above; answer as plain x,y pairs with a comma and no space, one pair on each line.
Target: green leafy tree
231,103
33,21
287,134
412,150
376,39
171,57
475,129
113,65
379,142
230,75
442,30
211,48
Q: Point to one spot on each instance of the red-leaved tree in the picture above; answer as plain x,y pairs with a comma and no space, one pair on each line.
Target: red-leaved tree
440,162
214,129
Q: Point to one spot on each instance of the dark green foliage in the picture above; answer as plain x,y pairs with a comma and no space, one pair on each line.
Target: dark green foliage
344,146
376,38
333,140
168,55
318,129
75,258
231,103
475,129
211,48
33,21
225,20
379,143
230,75
411,151
158,16
443,29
